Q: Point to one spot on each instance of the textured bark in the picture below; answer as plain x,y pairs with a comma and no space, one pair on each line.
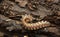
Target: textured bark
14,23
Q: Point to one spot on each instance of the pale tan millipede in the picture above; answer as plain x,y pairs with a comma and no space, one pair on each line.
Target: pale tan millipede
33,26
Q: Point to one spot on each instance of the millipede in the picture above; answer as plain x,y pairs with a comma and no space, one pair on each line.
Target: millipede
33,26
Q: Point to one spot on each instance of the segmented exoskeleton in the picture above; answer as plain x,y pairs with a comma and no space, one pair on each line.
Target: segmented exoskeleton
33,26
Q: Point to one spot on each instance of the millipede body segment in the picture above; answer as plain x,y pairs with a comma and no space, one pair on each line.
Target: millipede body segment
33,26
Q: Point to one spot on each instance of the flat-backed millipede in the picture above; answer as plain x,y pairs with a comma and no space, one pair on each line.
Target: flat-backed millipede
33,26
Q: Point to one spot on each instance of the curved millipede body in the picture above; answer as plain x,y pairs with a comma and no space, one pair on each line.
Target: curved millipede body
33,26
